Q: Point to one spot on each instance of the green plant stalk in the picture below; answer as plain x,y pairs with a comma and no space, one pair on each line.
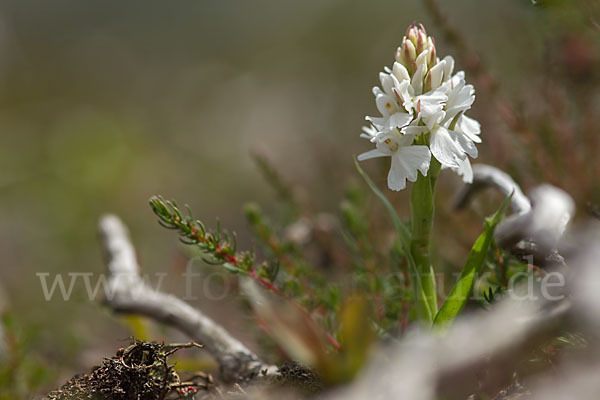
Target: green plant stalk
423,310
422,210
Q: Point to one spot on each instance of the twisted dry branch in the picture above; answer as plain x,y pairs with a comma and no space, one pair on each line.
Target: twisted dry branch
538,222
481,352
129,294
485,176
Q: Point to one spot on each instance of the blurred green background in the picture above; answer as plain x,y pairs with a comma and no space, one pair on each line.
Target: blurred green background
105,103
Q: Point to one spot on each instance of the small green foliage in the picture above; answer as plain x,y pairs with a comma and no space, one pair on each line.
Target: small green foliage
265,232
219,246
289,265
462,289
493,294
356,226
284,191
295,281
22,373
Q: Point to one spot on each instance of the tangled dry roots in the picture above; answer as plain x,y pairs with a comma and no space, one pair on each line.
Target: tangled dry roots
140,371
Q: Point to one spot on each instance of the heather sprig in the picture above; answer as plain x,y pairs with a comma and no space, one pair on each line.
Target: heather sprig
219,245
220,248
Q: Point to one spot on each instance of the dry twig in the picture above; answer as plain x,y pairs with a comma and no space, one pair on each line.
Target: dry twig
129,294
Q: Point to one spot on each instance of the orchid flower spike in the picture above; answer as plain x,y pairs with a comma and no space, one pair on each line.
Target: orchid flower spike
422,106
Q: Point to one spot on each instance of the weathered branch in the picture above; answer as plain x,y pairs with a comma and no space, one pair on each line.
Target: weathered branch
481,353
485,176
129,294
538,222
478,353
545,223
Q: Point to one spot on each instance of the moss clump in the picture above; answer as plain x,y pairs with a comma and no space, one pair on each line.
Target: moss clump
299,377
140,371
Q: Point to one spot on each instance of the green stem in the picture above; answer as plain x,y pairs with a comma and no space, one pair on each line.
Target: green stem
422,211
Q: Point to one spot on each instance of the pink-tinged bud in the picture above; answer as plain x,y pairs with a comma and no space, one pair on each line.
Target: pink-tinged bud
427,83
412,34
415,44
410,52
421,41
400,56
432,59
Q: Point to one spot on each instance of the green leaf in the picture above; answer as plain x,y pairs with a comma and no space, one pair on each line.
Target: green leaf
403,232
462,289
231,268
404,235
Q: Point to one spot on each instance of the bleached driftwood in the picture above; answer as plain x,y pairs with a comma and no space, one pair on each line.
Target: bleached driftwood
538,221
479,352
482,351
485,176
129,294
544,224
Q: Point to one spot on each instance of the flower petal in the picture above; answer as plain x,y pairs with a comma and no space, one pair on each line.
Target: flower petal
437,74
397,176
464,169
369,132
406,93
378,123
431,108
418,157
387,83
454,80
469,127
405,164
414,129
392,139
422,58
444,148
404,140
431,119
465,143
417,80
377,91
386,105
399,120
448,67
371,154
459,99
400,72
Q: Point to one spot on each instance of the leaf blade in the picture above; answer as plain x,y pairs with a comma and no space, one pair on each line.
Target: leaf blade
459,295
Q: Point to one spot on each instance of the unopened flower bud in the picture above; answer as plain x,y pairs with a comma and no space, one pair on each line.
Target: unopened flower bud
412,34
432,59
416,47
421,41
410,51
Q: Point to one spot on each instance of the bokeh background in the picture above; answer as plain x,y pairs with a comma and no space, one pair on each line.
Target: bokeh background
105,103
